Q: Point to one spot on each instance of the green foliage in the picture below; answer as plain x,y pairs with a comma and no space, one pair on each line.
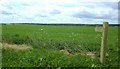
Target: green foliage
47,41
35,58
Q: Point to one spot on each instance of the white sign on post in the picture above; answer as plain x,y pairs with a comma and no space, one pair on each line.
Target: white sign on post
99,29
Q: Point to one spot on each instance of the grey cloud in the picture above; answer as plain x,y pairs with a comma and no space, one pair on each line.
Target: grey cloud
93,15
8,6
7,13
83,14
55,11
109,14
113,5
25,4
112,14
41,15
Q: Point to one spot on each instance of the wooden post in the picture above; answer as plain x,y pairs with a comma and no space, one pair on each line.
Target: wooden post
104,42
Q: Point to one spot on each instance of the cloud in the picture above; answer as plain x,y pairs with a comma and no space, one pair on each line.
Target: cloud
40,15
57,11
113,5
7,13
95,13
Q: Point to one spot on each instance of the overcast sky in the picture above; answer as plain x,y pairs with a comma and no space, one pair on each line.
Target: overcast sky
58,11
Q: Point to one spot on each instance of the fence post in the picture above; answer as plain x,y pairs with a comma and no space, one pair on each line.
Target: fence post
104,42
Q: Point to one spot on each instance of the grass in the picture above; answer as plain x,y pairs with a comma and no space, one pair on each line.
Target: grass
47,41
43,58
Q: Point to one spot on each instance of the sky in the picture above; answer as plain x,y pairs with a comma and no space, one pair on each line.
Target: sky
59,11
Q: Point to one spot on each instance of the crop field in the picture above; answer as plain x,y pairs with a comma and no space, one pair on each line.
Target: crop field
26,45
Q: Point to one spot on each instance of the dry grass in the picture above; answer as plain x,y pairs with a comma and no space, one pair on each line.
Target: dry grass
65,52
90,54
0,45
16,47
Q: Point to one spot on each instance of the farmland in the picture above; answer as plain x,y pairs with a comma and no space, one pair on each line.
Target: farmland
57,46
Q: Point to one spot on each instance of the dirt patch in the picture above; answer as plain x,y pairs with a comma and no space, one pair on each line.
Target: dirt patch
90,54
17,47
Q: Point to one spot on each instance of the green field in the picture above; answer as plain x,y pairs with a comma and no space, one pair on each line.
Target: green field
50,44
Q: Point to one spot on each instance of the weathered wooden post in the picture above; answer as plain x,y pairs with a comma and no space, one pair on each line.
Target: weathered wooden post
104,42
